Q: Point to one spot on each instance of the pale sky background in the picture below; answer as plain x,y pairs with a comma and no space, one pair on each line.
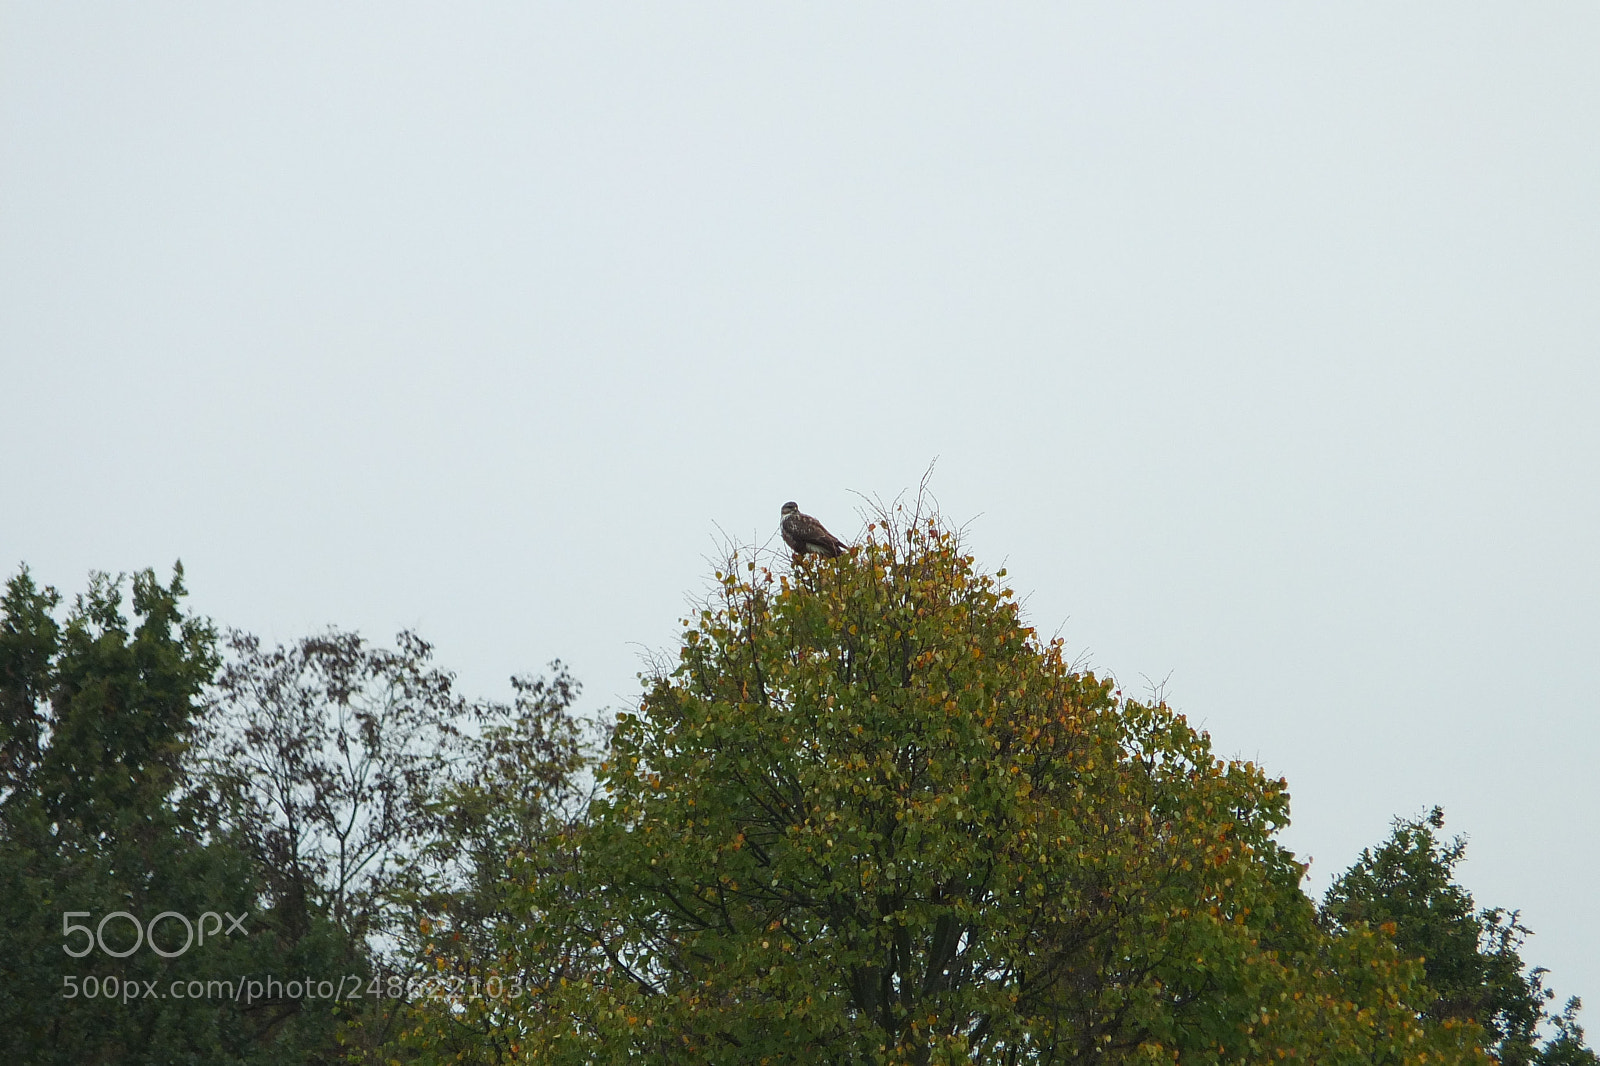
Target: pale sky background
1261,343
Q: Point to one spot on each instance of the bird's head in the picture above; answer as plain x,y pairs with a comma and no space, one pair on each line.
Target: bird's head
791,508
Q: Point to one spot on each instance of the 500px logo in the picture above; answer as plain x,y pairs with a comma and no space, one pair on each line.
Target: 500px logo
193,932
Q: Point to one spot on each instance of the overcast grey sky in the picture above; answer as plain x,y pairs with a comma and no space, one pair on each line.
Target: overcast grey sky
1261,343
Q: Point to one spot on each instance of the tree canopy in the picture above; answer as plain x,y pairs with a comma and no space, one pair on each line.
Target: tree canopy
862,814
1471,957
102,828
868,815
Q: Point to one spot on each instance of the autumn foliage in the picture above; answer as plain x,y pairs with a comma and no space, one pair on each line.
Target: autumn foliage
869,816
862,814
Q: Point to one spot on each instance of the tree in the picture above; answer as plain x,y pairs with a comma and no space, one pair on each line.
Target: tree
374,799
867,816
29,636
122,705
325,755
1566,1047
1471,956
509,823
98,819
325,793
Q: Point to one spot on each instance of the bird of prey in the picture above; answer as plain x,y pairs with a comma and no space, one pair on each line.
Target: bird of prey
805,534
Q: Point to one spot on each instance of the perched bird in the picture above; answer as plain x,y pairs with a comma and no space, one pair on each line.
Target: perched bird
805,534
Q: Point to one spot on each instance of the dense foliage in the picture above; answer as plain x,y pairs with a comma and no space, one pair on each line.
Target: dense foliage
1471,957
867,816
864,815
157,780
100,817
